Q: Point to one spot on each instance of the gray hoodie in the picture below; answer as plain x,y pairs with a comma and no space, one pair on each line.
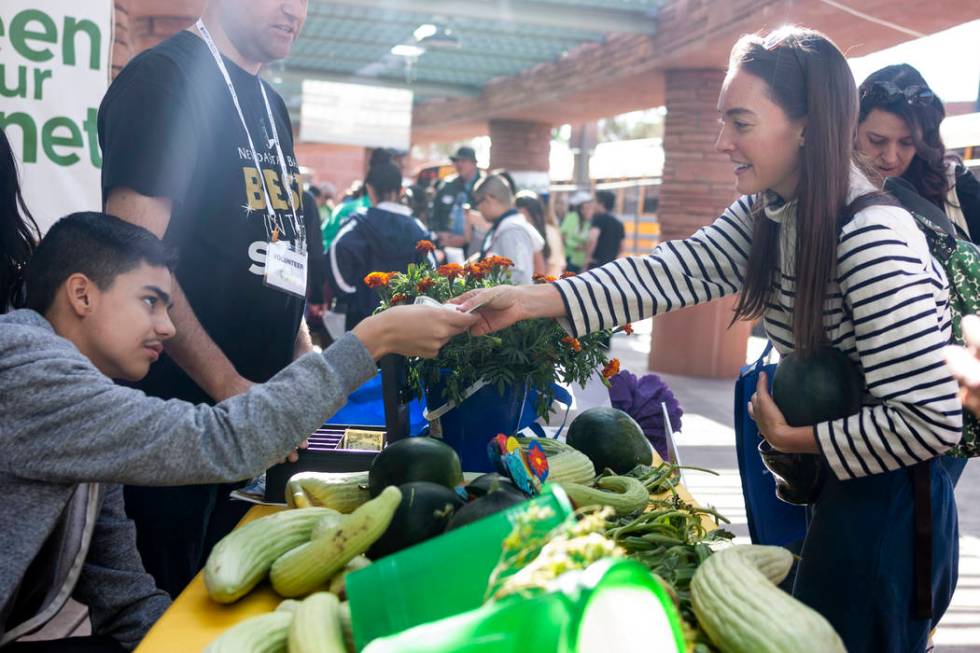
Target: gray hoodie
69,435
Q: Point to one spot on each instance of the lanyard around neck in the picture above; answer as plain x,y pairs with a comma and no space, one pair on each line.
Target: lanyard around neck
298,227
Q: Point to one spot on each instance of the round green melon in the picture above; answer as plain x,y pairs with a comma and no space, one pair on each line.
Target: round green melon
611,439
820,388
415,459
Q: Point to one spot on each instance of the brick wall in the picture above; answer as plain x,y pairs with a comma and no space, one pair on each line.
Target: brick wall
698,183
141,24
520,145
340,165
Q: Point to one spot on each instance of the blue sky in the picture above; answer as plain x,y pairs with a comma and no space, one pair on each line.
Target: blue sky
949,61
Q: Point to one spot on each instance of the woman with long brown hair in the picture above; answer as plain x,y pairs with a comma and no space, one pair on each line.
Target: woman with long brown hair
864,285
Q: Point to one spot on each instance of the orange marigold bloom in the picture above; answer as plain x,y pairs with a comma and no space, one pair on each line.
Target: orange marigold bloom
497,261
610,369
565,275
573,343
628,329
425,246
450,270
537,277
476,271
424,284
398,298
377,279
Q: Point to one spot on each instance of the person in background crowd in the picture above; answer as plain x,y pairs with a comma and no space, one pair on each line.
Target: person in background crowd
537,213
382,238
898,131
18,230
448,216
510,235
221,184
327,200
359,200
316,300
964,363
575,229
97,308
606,234
789,111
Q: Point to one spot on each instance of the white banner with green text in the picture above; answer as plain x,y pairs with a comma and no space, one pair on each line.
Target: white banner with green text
54,69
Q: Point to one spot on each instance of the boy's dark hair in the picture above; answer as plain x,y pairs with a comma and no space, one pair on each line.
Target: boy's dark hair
606,199
384,178
98,245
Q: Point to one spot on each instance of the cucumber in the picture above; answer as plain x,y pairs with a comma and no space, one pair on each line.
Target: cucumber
243,557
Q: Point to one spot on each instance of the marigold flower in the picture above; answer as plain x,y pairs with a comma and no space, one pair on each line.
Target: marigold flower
476,271
424,284
567,274
425,246
610,369
450,270
573,343
398,298
497,261
377,279
628,329
537,277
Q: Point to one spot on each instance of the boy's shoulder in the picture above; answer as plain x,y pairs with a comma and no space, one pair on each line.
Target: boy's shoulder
26,336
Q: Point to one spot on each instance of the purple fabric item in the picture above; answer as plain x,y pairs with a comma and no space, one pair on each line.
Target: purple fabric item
641,399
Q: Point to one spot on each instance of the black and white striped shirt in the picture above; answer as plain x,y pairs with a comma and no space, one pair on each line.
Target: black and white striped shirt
887,310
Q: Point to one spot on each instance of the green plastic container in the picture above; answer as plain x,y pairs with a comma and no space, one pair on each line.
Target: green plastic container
440,578
614,605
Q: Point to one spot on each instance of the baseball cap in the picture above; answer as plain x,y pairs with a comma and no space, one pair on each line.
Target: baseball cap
464,152
580,197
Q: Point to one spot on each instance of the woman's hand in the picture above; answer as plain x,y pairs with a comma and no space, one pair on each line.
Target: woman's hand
499,307
772,425
412,330
964,364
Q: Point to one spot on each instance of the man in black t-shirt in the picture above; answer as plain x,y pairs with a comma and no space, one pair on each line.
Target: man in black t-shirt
181,160
606,234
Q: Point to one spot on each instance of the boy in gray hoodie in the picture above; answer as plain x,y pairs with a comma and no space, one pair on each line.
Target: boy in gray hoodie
98,294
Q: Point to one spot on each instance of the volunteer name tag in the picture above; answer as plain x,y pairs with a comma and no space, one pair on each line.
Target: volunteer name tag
285,268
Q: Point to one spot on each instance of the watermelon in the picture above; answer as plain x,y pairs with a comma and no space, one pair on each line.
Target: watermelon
820,388
611,439
415,459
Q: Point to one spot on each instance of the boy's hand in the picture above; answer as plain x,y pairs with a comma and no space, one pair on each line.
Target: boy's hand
415,330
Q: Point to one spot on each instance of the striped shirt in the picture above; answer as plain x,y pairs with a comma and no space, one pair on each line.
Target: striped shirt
887,310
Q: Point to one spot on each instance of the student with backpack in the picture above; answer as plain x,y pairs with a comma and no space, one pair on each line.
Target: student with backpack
869,289
382,238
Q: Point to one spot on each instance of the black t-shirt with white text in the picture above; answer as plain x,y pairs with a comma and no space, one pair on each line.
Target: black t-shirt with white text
168,128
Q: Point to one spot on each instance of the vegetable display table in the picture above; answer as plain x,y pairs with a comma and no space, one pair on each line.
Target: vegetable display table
194,620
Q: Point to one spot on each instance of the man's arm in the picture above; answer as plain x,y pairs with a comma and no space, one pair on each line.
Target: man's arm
304,343
191,348
590,244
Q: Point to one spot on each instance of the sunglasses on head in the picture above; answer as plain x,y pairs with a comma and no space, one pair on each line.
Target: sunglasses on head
889,92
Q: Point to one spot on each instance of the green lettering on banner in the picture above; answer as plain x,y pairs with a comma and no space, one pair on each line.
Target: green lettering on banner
20,35
91,126
28,129
40,74
10,91
72,28
49,140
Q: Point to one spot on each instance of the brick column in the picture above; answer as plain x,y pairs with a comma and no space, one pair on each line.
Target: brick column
698,184
524,149
152,21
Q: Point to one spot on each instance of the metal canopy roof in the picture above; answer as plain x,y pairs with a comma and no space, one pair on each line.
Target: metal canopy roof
351,41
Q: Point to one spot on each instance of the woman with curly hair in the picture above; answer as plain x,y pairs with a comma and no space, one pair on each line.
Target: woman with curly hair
898,132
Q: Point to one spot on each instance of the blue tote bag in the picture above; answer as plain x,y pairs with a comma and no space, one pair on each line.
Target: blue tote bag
771,521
